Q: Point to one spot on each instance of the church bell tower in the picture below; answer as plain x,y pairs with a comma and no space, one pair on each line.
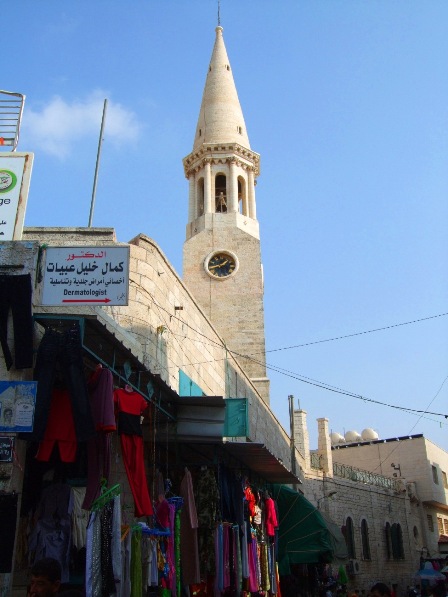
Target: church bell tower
222,258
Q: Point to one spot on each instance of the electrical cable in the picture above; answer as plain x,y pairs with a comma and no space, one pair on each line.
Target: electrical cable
311,381
387,327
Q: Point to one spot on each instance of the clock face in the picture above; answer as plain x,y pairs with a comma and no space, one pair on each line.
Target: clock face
221,264
8,180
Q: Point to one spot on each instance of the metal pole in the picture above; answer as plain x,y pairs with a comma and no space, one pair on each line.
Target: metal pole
98,156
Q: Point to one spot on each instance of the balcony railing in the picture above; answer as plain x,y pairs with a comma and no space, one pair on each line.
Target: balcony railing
356,474
315,461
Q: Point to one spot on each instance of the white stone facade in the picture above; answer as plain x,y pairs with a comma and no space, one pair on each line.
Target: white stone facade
422,465
372,502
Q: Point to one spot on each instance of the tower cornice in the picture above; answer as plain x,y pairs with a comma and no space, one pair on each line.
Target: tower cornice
216,153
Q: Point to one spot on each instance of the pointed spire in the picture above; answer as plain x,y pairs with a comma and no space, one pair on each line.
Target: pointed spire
220,118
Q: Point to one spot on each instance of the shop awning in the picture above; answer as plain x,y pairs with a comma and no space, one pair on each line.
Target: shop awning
260,460
337,539
201,422
106,342
303,535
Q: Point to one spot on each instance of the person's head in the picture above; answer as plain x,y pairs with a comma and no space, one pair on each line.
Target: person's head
380,589
7,415
45,578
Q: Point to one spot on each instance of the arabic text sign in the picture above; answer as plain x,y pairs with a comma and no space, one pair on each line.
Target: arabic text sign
17,400
75,276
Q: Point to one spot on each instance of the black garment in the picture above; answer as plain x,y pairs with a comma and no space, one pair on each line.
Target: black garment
107,574
15,294
129,424
8,518
61,349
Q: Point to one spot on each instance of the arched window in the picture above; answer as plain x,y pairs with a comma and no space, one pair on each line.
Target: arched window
242,197
200,197
221,193
388,541
365,540
349,536
397,542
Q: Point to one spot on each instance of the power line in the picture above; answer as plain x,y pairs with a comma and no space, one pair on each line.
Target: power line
413,427
337,390
387,327
310,381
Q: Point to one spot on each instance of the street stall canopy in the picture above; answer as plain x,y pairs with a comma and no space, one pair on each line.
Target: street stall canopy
303,535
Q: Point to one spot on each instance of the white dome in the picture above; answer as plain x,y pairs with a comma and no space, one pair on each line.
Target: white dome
352,436
369,434
336,438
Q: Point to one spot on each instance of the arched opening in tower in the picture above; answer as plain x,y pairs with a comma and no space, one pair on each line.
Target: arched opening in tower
221,193
242,196
200,197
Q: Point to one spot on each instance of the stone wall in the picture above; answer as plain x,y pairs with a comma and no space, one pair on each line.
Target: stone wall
377,506
172,329
421,463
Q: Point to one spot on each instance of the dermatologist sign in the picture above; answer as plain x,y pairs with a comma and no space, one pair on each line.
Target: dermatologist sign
78,276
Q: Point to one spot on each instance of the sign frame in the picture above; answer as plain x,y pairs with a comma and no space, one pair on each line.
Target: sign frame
6,451
77,276
17,406
15,175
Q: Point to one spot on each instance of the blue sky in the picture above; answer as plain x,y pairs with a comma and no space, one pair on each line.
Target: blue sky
346,101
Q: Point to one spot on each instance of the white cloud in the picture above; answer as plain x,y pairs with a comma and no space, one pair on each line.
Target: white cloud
59,125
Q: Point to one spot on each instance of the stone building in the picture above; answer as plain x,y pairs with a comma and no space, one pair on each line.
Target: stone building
178,343
384,495
422,467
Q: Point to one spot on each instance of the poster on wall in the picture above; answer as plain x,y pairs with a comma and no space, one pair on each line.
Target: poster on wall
17,403
15,174
77,276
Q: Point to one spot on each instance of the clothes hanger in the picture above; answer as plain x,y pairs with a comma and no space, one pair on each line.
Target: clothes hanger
106,495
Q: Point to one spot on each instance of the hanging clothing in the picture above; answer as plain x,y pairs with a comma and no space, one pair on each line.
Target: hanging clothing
163,513
116,542
136,563
107,574
101,395
207,506
250,498
15,295
79,518
8,519
93,556
271,521
63,349
52,537
124,587
60,429
130,406
189,533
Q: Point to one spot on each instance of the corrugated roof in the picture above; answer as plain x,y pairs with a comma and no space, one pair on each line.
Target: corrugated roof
260,460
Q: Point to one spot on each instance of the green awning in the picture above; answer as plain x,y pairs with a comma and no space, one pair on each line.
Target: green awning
303,535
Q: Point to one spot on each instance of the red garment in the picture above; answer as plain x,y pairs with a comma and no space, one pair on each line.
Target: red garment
250,498
133,458
60,429
189,551
271,521
163,514
133,403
